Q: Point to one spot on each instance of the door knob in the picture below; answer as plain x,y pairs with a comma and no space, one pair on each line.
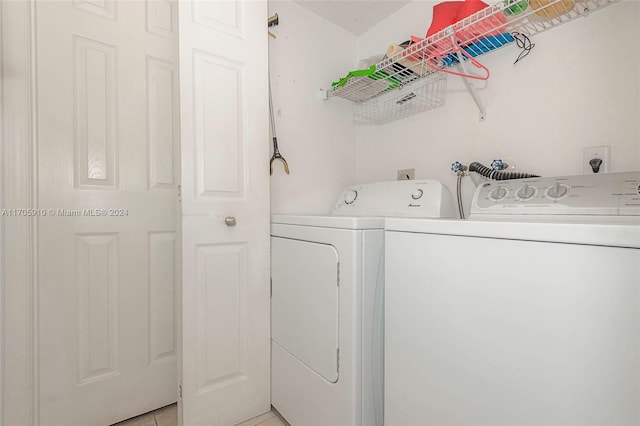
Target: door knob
230,221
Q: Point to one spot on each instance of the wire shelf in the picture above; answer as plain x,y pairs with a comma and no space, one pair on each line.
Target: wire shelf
480,33
415,97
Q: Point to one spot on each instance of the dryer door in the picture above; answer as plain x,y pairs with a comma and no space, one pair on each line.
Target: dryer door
305,302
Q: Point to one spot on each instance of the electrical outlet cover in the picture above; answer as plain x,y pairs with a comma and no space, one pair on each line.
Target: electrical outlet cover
406,174
601,152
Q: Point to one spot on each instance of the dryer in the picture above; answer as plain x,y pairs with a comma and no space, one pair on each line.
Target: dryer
327,302
527,314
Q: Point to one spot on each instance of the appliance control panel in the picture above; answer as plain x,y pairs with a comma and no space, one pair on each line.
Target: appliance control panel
609,194
425,198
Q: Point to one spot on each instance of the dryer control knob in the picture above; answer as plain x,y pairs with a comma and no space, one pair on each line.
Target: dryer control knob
498,194
526,192
557,191
417,194
351,196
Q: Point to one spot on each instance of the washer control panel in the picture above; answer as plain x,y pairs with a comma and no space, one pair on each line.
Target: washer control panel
609,194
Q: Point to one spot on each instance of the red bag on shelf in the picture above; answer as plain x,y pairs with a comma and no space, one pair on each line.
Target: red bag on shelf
469,7
453,13
444,15
489,25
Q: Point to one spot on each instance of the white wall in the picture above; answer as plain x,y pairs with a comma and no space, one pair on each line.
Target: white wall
579,87
316,137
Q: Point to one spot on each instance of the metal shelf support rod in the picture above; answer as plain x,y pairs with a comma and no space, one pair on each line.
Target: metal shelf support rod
470,87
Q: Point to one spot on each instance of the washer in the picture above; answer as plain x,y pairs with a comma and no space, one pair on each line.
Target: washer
528,314
326,303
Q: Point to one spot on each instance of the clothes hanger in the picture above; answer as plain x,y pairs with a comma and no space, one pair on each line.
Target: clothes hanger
438,58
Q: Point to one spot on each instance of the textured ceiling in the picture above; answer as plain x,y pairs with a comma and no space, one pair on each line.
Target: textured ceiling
353,15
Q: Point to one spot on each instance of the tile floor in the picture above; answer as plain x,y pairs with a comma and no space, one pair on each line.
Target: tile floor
165,416
168,416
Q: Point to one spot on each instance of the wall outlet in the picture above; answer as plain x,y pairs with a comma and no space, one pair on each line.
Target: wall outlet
406,174
595,159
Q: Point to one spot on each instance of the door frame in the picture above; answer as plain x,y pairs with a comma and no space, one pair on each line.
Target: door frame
19,278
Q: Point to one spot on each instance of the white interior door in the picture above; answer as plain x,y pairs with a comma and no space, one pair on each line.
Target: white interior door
225,206
108,169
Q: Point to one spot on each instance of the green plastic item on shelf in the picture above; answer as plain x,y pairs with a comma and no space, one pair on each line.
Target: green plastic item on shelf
515,7
369,72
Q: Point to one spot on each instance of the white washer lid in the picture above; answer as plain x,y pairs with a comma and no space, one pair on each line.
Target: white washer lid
342,222
614,235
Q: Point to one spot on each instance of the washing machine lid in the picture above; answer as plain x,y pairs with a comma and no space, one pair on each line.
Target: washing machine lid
340,222
601,234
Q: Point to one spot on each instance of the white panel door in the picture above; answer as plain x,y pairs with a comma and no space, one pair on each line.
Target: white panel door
225,206
108,170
